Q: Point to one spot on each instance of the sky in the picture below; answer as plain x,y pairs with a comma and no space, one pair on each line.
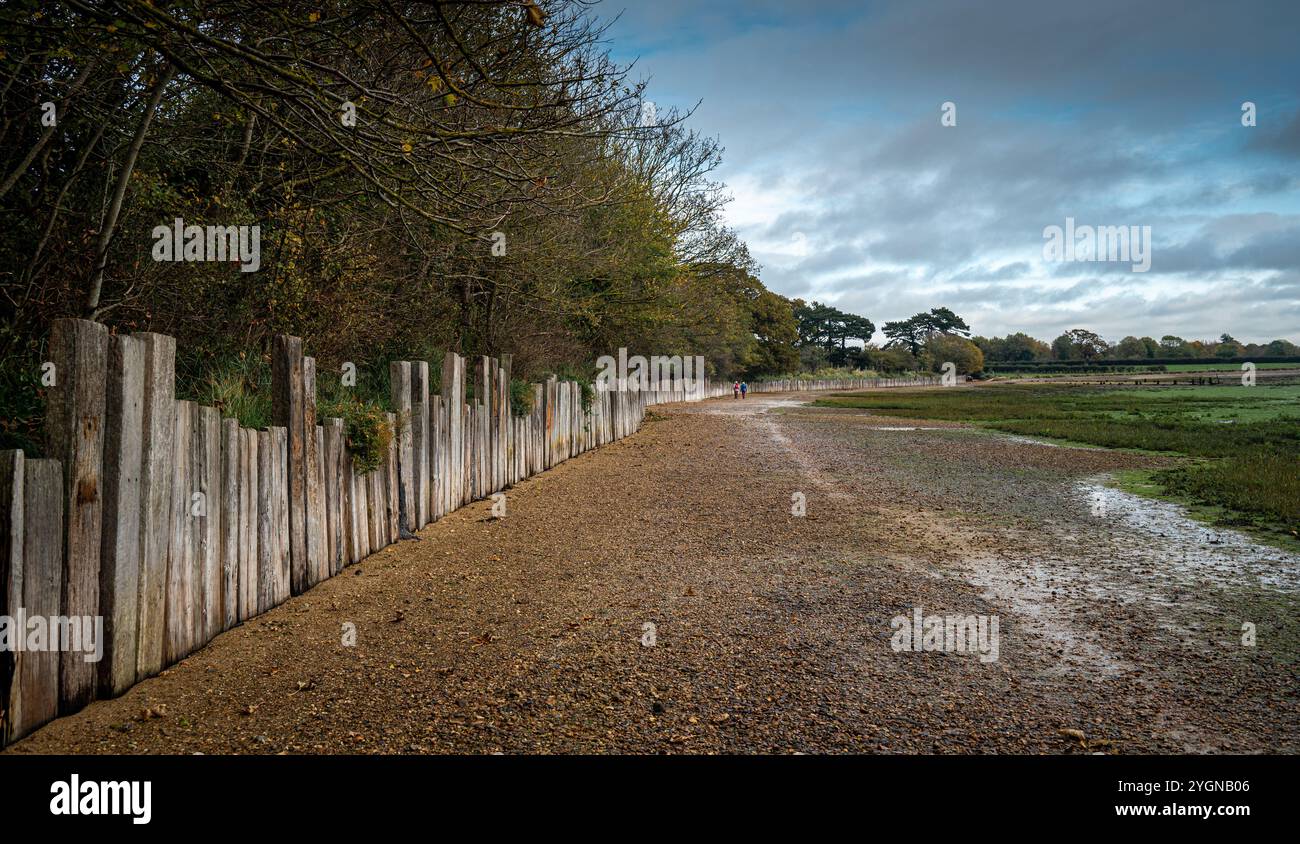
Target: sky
849,189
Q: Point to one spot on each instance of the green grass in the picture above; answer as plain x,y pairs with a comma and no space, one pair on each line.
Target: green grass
239,386
1247,439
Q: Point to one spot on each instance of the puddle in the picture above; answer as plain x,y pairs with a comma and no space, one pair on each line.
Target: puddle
1160,537
904,428
1016,438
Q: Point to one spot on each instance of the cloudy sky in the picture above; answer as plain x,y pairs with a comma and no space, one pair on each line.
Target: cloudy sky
1129,113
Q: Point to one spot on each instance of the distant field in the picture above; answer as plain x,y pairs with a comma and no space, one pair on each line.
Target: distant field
1246,439
1224,367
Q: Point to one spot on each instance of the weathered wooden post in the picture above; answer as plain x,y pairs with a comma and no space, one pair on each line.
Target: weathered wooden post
11,580
229,523
268,524
37,673
280,506
507,424
178,592
466,454
334,498
399,377
313,499
120,550
392,480
420,438
453,400
158,419
437,458
74,428
287,410
248,512
209,616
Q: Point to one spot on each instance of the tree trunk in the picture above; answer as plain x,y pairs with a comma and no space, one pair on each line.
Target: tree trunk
115,207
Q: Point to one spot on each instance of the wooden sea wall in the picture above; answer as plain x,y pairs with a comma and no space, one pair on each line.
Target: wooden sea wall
172,525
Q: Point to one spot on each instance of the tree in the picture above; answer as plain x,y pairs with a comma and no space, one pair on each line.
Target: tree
1091,346
1281,348
776,333
914,332
964,354
908,333
1014,347
829,327
944,321
1130,348
1228,347
1063,348
892,360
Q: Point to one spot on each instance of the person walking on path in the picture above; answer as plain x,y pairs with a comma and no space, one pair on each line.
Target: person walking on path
744,388
735,389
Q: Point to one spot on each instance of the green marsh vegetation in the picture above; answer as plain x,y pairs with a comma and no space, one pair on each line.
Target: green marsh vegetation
1242,443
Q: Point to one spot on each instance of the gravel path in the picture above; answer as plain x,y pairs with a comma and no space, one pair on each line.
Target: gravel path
772,632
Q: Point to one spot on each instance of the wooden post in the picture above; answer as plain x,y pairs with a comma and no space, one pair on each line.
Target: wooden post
319,515
335,498
287,412
360,514
268,522
158,419
548,413
248,508
364,525
180,581
11,580
503,420
376,514
437,456
399,376
229,523
466,455
119,567
453,399
199,500
314,500
328,477
211,570
351,542
391,493
37,673
280,510
421,431
74,427
492,405
508,421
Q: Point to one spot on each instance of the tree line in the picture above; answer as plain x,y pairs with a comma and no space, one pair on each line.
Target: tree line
1081,344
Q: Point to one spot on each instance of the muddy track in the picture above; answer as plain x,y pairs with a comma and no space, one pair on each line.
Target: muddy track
772,631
